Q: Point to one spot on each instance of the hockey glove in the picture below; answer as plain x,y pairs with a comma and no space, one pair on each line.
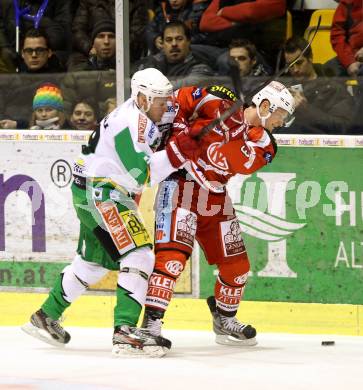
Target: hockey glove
180,149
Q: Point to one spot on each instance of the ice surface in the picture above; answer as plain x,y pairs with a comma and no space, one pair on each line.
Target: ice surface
279,361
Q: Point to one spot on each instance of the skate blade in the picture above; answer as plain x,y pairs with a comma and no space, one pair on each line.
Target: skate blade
152,351
232,341
40,334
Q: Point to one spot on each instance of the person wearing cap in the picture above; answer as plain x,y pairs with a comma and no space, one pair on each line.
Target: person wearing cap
103,52
88,12
97,77
48,109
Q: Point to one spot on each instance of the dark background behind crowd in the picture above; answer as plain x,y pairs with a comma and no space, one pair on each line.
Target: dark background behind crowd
58,63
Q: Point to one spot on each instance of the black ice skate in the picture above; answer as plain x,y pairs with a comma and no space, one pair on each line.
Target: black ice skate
228,330
128,340
46,329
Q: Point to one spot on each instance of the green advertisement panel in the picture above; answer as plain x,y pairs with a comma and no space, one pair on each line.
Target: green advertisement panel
301,219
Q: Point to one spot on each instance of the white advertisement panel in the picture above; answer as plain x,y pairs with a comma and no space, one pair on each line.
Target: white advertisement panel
37,219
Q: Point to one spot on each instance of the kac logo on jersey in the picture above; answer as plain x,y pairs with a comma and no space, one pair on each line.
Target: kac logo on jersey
197,93
216,157
268,157
175,267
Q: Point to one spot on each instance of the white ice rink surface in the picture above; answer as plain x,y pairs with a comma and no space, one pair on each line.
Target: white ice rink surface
279,361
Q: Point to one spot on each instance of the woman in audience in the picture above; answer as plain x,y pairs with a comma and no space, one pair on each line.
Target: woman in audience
84,115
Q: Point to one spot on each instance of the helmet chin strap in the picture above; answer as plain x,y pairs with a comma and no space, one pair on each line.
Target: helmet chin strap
263,119
148,105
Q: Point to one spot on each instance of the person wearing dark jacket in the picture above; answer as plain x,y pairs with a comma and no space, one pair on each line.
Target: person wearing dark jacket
97,77
37,55
323,105
39,64
91,11
56,22
168,11
176,61
103,53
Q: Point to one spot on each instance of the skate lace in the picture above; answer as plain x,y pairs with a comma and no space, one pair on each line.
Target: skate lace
232,324
153,326
58,328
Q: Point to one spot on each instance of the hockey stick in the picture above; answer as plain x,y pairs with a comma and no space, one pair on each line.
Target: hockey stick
237,82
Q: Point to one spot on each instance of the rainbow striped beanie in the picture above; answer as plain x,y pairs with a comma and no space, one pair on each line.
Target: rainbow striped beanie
48,95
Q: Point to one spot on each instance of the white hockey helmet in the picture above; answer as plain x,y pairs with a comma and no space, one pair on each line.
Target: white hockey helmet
278,96
152,83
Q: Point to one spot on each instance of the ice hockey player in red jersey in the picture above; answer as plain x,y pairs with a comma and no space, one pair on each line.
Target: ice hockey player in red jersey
192,203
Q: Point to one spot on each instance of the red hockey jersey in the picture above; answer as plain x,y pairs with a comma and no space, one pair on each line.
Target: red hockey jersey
230,148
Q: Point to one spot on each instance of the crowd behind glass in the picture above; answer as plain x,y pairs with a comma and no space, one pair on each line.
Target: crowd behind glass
57,63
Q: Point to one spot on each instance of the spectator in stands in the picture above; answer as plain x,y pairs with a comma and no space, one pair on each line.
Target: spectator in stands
48,109
110,105
56,21
91,11
168,11
176,59
39,64
261,21
347,38
84,115
242,58
37,56
323,105
189,12
244,54
98,76
103,53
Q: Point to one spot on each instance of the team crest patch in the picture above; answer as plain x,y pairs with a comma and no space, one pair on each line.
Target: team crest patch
175,267
197,93
141,126
185,227
232,239
268,157
216,157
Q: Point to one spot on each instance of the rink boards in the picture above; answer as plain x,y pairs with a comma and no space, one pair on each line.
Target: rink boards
301,219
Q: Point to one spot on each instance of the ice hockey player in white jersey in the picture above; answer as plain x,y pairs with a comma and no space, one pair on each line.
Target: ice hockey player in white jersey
113,168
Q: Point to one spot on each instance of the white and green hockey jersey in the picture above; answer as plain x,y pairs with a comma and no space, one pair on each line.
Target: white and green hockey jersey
124,154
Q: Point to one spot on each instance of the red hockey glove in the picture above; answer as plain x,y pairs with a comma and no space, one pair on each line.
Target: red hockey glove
180,149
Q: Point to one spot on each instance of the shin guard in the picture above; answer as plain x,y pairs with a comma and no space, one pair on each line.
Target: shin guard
169,265
230,285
